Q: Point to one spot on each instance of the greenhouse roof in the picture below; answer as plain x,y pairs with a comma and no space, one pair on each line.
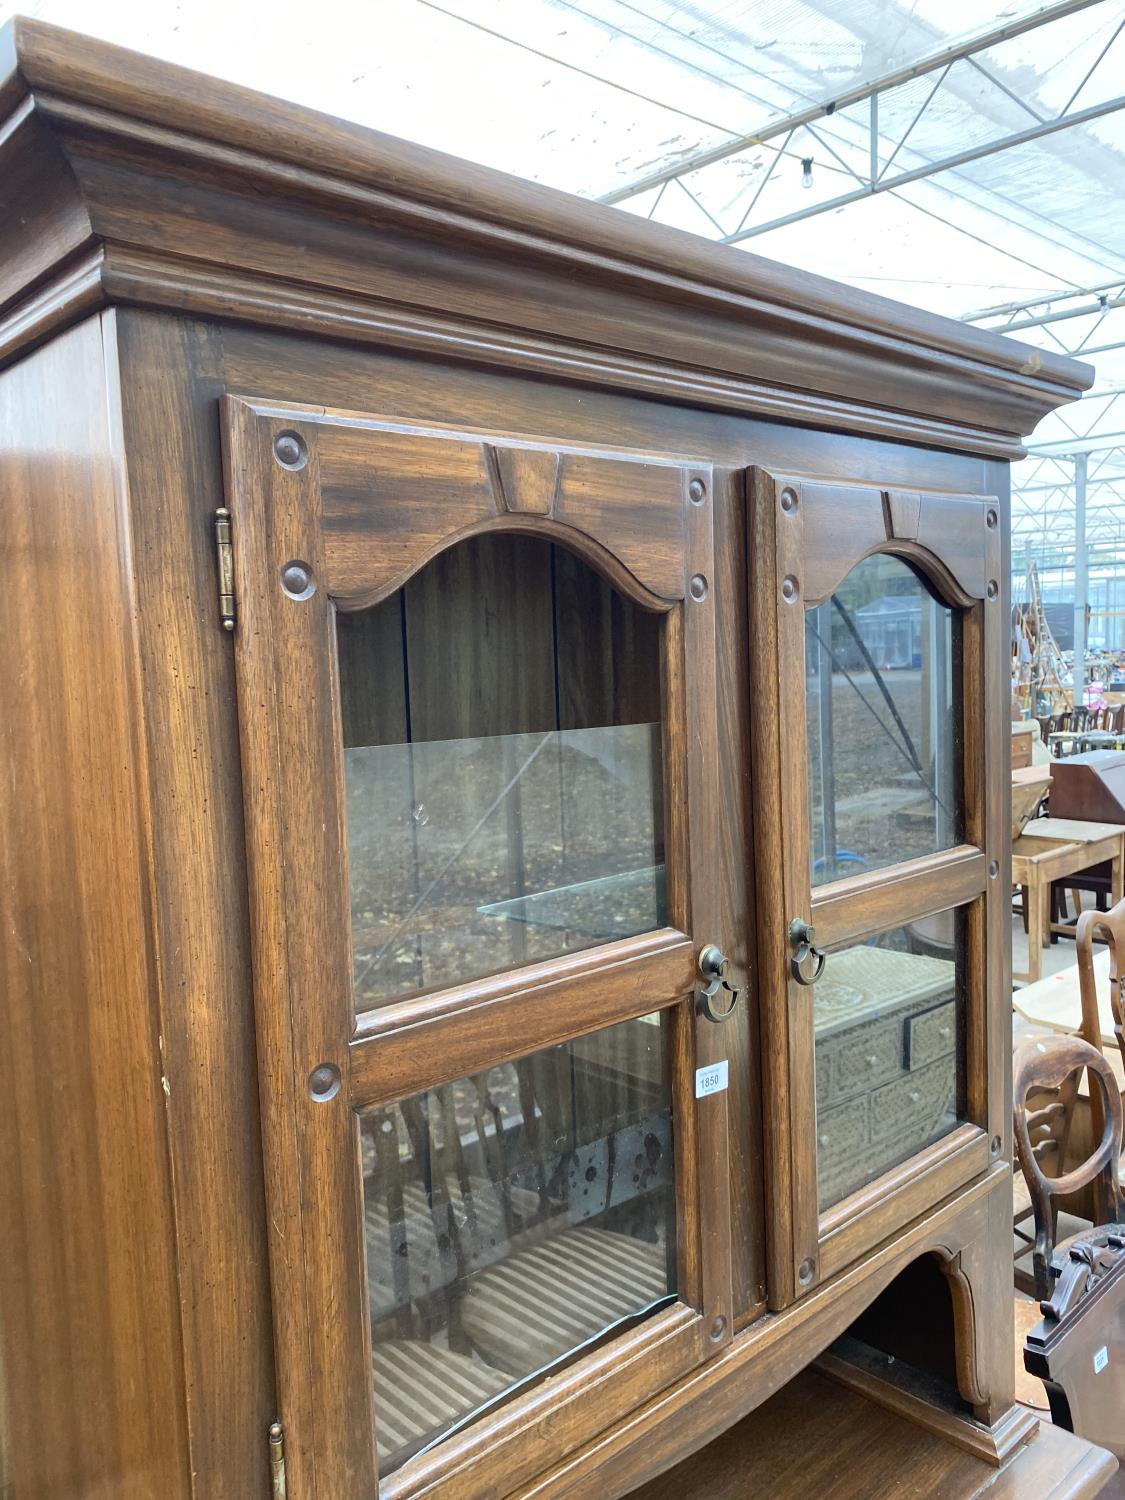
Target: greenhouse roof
961,155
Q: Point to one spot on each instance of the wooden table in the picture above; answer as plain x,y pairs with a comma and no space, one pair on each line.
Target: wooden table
1062,741
1050,849
1030,784
1055,1003
1065,742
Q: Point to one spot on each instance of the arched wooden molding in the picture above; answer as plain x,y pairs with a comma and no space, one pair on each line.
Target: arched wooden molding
952,539
393,495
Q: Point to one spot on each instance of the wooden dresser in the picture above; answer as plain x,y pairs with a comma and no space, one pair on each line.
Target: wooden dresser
504,824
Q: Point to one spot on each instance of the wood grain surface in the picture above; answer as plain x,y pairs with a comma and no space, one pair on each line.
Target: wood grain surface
92,1385
815,1438
162,1012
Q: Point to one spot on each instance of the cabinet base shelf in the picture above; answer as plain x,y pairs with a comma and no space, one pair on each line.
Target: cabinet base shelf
815,1431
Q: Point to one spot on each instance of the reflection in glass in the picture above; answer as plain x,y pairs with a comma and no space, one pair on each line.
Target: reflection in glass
512,1218
469,856
888,1018
882,704
503,768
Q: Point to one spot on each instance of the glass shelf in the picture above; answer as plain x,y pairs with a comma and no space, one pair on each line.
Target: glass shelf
608,908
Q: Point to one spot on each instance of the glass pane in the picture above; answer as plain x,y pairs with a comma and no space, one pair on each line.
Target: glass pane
889,1020
503,768
883,722
512,1219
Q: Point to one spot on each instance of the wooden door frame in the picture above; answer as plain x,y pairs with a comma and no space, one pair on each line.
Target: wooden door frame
805,536
360,504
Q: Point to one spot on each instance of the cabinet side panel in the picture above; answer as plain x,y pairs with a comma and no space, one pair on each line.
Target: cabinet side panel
91,1398
170,426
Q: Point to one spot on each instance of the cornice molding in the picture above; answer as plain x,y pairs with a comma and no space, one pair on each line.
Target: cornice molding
111,276
129,278
194,191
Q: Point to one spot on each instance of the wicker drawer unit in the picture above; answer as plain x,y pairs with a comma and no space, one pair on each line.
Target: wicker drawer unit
870,1055
931,1035
914,1108
884,1062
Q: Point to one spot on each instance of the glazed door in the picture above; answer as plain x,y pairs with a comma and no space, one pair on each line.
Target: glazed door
476,693
880,755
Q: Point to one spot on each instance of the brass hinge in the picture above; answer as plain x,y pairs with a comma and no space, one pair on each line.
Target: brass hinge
224,554
277,1462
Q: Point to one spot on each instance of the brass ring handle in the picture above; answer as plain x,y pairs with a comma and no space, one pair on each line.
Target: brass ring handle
717,999
802,940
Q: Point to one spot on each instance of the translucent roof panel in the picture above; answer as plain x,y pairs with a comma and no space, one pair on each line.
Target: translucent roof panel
741,113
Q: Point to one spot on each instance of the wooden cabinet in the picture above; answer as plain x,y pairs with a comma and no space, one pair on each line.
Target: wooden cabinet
879,642
504,830
483,1067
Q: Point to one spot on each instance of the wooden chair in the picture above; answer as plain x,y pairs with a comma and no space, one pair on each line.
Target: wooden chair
1085,719
478,1274
552,1298
599,1257
1052,1066
1051,1123
422,1389
1109,926
431,1216
1077,1347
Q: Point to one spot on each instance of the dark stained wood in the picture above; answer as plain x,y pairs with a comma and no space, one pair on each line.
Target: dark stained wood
875,1376
604,643
506,1450
90,1338
989,953
289,716
173,468
429,392
309,1144
778,769
693,793
1090,787
395,495
479,640
849,910
563,552
865,1218
403,1048
676,1424
54,225
810,535
944,534
371,666
736,895
151,283
773,1453
1072,1349
207,367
